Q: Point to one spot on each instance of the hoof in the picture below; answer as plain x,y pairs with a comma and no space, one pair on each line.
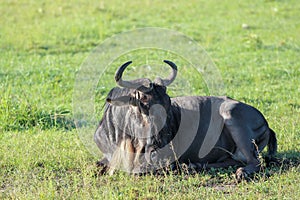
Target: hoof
241,174
102,168
271,161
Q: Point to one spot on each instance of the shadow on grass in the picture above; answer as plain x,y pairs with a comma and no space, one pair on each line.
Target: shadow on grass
285,160
281,163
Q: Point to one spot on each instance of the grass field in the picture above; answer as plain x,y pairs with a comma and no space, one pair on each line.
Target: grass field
256,47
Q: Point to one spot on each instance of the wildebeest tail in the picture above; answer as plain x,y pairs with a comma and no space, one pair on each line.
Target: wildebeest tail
272,144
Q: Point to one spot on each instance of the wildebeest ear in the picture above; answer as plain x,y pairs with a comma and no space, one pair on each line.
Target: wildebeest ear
158,81
120,101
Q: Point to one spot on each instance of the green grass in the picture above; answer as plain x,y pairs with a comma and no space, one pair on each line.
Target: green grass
43,44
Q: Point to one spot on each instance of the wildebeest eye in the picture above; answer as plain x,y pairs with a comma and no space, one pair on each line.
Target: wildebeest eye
153,156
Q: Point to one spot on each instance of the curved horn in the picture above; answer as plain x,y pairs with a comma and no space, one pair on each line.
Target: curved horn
173,74
139,84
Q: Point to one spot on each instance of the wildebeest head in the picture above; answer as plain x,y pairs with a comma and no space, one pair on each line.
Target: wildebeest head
142,107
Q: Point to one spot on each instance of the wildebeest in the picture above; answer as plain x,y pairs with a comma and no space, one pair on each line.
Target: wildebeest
143,129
